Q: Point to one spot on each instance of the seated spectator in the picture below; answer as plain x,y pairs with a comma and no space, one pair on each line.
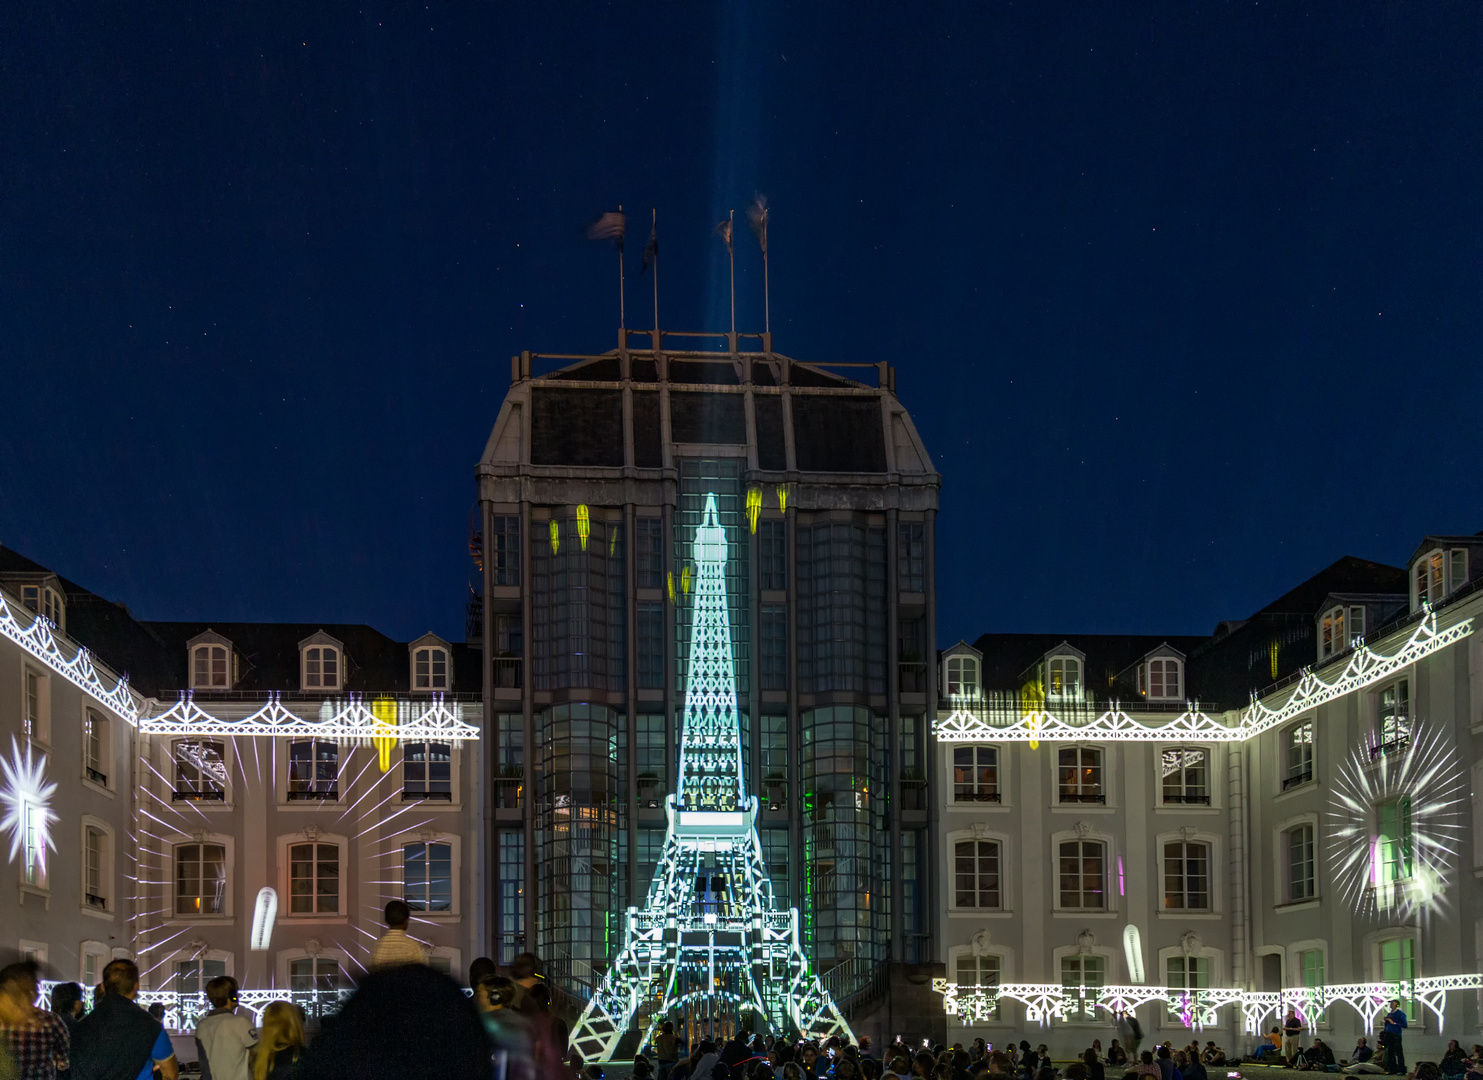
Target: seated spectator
1147,1067
1270,1047
1317,1058
1116,1055
1454,1061
1363,1059
1188,1064
1212,1054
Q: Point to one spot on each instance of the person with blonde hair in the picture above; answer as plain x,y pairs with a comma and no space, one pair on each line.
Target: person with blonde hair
280,1042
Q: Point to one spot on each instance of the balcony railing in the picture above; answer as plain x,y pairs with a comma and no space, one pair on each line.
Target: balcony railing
976,795
507,673
1187,797
328,795
97,777
913,676
1068,795
96,901
1394,746
1297,778
410,794
192,795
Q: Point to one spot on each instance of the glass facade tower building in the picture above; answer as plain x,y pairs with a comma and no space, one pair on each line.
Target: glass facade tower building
591,488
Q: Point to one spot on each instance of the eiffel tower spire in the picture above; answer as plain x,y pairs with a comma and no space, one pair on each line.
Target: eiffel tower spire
710,944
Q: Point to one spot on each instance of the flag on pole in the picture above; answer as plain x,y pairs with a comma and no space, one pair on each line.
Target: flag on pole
651,249
610,226
757,215
723,230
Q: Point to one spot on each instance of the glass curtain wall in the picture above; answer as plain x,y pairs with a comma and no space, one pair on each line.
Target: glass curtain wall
698,478
578,579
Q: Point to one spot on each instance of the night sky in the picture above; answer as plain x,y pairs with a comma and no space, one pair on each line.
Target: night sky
1184,299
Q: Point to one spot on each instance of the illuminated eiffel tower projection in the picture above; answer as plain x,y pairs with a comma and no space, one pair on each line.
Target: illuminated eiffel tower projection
710,944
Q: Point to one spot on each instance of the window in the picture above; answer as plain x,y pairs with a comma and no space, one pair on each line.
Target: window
1082,868
309,974
96,748
774,634
1163,679
650,617
976,874
209,667
428,876
47,602
510,760
1398,969
776,856
200,771
1080,775
504,549
429,669
1298,742
94,960
36,706
1186,877
1393,847
313,770
650,554
975,774
191,976
200,879
1079,973
962,676
34,819
1311,973
1063,678
772,555
1185,973
314,879
1341,626
427,771
1393,719
978,973
321,668
511,895
1297,845
652,758
911,648
775,761
1186,776
95,869
911,556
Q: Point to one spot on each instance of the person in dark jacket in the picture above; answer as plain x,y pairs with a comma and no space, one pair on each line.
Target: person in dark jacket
118,1040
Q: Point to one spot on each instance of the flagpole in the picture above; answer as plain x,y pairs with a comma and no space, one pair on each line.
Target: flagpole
731,258
654,231
766,285
622,316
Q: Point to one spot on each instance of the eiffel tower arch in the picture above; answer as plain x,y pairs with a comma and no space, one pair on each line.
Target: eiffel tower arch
710,948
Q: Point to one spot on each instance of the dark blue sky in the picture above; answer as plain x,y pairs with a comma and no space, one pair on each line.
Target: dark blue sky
1185,299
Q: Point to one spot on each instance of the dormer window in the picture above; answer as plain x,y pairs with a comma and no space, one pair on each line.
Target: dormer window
1063,678
1438,574
1340,626
210,662
432,665
321,663
46,601
962,676
1161,679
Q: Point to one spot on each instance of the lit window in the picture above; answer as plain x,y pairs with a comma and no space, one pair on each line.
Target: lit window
1310,965
1438,574
975,774
1398,969
1298,742
35,721
95,868
976,874
200,879
1393,847
1063,678
46,602
314,973
427,771
962,676
1185,973
314,879
428,876
191,976
1080,775
1393,719
313,770
200,771
1162,682
1078,972
978,973
429,671
1186,775
209,667
1082,866
96,750
1186,877
1298,851
322,668
1341,626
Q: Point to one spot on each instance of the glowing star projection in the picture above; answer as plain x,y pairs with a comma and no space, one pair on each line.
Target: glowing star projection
711,941
26,797
1395,822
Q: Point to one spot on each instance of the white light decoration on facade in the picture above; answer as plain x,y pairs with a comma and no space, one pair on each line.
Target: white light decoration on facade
349,719
710,939
1395,825
264,915
26,797
1133,952
37,639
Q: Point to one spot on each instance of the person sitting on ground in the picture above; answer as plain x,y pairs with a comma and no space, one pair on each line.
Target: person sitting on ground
642,1070
1188,1065
118,1040
38,1042
1116,1055
1363,1059
1165,1061
1454,1061
1147,1067
1317,1058
395,947
999,1062
222,1037
1046,1073
1093,1063
1077,1070
1212,1054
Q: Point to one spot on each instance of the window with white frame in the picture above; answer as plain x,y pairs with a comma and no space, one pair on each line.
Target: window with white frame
427,771
1397,967
1079,775
313,770
314,879
93,959
47,602
321,667
979,973
34,820
97,747
1312,978
975,774
1161,679
200,770
200,879
427,876
976,868
1063,678
209,667
308,974
192,975
430,669
962,676
36,704
1185,973
1340,626
1395,853
1083,868
1299,867
97,867
1438,574
1392,719
1079,973
1186,876
1297,747
1185,773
